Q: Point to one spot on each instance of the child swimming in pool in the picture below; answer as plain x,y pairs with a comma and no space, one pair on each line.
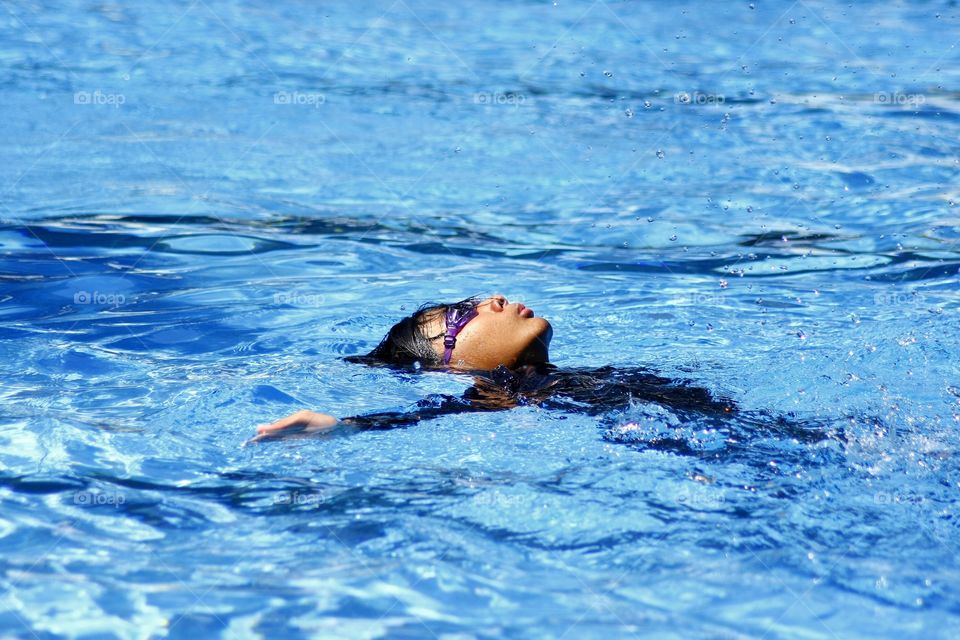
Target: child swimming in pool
505,346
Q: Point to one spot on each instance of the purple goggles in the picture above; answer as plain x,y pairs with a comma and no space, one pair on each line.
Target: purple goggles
457,319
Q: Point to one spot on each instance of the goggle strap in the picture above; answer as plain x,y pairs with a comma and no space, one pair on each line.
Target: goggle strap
458,323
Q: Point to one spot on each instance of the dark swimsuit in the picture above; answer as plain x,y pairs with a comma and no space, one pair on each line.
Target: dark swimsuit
634,406
581,390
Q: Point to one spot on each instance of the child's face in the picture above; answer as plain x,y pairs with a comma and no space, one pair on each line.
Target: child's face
502,333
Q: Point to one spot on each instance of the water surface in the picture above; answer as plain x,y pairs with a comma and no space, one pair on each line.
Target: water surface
206,205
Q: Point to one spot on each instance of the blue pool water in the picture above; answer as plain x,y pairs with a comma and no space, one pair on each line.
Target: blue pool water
206,204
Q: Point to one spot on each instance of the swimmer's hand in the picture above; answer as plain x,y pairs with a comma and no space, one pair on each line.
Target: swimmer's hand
300,422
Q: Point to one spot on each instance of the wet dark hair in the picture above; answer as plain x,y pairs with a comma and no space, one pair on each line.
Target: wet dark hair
407,342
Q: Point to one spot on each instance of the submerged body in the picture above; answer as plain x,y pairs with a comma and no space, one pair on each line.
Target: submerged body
590,391
504,347
593,391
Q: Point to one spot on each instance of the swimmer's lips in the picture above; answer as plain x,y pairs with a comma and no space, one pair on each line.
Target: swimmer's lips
524,311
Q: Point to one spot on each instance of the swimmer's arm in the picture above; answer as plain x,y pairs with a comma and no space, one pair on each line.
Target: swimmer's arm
300,422
306,422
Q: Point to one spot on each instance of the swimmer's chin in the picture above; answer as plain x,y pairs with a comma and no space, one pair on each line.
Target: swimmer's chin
539,350
545,328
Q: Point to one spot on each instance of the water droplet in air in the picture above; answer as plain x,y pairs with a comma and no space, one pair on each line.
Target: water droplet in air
629,113
673,238
608,74
660,153
650,219
723,284
753,6
647,104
